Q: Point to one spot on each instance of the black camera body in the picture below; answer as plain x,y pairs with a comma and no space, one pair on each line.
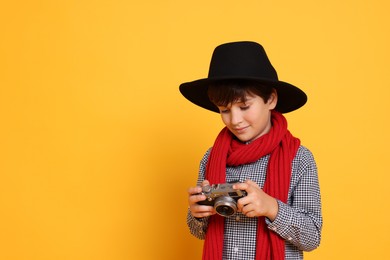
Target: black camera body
223,197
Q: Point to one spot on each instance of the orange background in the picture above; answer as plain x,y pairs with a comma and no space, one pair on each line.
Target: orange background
98,147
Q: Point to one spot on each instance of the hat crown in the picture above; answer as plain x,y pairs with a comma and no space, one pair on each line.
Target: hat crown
241,59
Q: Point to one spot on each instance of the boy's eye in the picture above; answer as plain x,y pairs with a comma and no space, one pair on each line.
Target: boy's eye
244,107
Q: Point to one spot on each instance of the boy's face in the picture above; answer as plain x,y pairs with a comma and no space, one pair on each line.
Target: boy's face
250,119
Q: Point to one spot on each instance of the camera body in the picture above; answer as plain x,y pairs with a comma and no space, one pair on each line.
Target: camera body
223,197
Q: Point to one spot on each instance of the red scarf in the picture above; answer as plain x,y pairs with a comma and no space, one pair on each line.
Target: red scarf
228,151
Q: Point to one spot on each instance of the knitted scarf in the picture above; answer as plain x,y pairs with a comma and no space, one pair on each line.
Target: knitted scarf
282,147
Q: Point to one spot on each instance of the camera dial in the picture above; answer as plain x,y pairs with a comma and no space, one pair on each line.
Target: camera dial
206,188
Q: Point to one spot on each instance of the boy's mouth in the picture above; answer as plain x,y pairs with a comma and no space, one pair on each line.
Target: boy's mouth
240,130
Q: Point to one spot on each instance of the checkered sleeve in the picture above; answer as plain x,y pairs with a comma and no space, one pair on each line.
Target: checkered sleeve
198,226
299,221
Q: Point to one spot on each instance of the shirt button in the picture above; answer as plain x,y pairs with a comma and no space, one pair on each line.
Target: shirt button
235,250
289,238
273,228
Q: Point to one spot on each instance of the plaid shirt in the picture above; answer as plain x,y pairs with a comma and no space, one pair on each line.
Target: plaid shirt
299,221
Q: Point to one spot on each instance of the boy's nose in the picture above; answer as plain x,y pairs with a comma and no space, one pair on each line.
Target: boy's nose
236,117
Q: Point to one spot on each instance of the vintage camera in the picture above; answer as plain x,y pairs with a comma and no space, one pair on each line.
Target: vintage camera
223,197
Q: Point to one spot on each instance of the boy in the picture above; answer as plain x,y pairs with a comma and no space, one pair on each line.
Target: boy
280,215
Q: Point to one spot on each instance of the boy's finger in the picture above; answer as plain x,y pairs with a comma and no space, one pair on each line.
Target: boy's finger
205,183
196,198
241,186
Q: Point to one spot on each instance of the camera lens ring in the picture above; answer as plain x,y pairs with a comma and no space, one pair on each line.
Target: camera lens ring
225,206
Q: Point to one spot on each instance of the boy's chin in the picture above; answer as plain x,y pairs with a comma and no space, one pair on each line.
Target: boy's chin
244,139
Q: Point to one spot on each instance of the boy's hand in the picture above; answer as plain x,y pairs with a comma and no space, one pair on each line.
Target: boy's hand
257,203
199,211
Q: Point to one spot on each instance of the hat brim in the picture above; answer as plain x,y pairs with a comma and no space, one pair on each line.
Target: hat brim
290,97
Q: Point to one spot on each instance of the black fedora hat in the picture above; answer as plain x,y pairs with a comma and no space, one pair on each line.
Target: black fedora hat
243,61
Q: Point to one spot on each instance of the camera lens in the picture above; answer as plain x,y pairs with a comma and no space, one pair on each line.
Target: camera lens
225,206
225,210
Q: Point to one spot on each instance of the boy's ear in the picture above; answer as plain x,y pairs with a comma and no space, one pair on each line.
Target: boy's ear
273,99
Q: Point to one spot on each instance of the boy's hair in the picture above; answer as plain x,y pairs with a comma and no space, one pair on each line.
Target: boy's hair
226,92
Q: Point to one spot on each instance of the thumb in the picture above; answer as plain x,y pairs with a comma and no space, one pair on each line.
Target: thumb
205,183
